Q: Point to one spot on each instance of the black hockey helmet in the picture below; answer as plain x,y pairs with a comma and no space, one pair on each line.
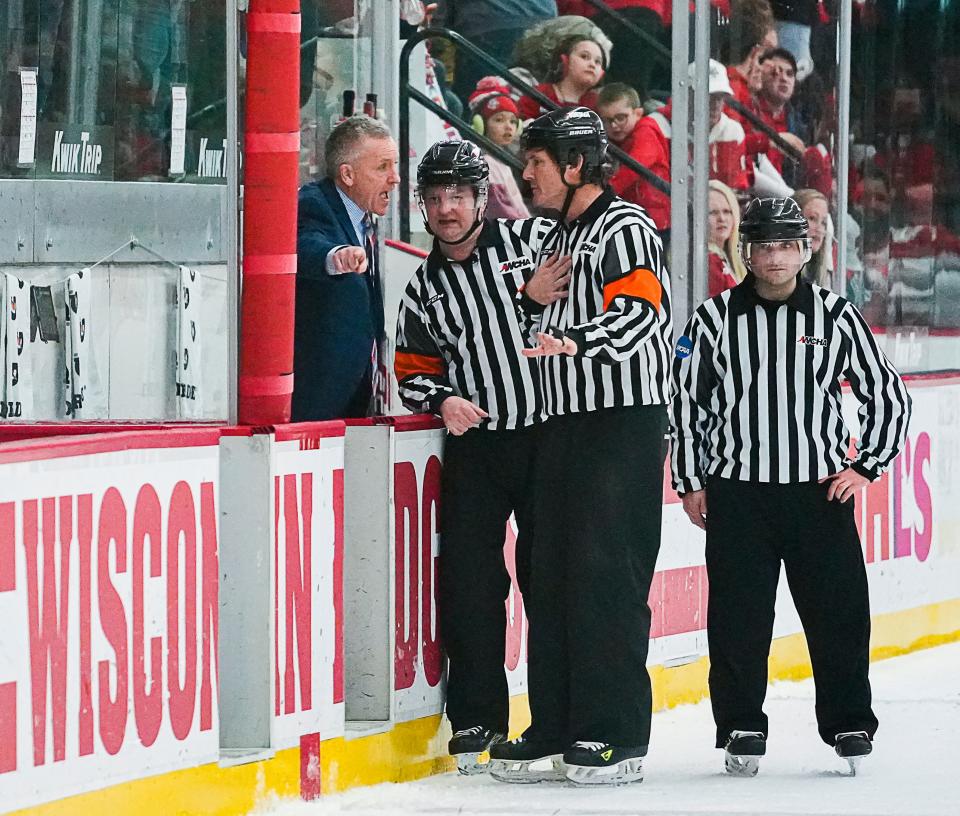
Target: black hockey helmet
568,133
450,163
773,219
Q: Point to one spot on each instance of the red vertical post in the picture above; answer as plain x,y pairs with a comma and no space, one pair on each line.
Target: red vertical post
270,175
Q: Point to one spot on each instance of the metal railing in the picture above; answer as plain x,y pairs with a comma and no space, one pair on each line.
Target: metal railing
407,92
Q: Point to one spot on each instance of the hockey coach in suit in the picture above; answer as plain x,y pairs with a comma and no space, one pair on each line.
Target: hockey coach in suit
338,333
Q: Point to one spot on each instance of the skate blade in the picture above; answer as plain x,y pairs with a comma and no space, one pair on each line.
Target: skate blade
472,764
627,772
853,763
741,765
528,772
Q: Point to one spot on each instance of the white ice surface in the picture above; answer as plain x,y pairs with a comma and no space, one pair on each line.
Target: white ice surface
914,769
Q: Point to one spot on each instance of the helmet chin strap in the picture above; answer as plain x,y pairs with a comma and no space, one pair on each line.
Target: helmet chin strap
477,223
571,191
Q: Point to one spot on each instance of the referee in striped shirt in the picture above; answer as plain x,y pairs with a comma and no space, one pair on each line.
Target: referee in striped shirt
761,457
604,362
458,355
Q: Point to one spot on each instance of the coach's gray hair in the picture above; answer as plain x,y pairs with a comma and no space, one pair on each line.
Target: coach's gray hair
345,140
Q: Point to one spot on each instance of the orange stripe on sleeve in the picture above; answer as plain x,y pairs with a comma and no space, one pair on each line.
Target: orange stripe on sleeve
406,365
641,284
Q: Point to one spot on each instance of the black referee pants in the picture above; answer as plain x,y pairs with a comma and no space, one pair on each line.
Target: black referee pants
486,476
598,507
751,528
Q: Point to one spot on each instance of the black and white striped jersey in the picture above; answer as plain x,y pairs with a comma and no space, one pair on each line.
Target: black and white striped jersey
458,332
757,390
617,311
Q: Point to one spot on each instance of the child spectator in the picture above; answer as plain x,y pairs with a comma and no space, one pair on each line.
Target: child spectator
533,54
649,144
724,266
578,67
643,140
637,63
495,116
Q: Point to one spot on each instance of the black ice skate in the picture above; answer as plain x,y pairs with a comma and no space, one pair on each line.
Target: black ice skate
523,761
743,751
853,746
467,745
599,763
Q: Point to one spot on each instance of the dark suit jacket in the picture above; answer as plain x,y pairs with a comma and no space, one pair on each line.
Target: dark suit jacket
337,316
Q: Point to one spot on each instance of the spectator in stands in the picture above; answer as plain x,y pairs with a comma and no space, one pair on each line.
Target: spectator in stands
725,267
338,330
750,35
493,26
779,72
727,138
639,63
533,55
496,116
649,143
578,67
644,138
820,231
873,208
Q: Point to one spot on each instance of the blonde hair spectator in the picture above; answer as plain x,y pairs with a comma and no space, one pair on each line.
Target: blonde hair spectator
723,244
816,210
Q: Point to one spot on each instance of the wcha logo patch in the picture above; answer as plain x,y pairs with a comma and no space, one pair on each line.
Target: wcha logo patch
811,340
517,263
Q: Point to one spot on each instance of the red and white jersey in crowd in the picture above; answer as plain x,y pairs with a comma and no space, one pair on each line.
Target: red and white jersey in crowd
720,275
728,157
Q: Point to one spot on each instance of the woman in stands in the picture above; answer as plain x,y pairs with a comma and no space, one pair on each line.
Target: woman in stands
578,67
815,209
724,266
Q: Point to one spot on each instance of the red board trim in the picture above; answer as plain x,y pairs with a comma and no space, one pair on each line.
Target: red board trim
410,249
298,431
38,450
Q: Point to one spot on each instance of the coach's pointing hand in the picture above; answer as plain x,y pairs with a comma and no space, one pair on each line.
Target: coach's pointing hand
460,415
549,282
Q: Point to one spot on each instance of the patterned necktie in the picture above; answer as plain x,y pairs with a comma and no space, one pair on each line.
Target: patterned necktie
376,311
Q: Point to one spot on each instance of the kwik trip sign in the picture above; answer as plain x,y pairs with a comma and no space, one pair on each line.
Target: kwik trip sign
75,151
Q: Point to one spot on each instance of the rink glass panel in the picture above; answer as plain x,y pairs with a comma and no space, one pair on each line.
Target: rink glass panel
106,74
904,188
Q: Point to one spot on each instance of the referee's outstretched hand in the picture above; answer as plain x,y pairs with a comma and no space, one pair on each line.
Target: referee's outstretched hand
845,484
549,283
695,506
548,345
460,415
